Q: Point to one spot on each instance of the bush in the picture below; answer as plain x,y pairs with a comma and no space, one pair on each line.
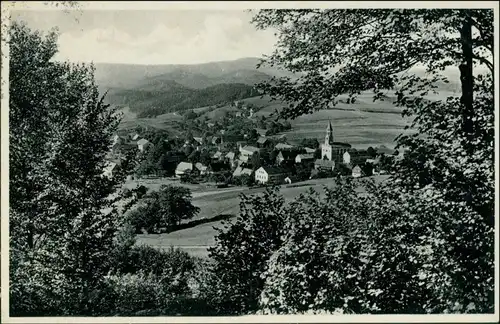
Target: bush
165,208
241,252
141,294
386,252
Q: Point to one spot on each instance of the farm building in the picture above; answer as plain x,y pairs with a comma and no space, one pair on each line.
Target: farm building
135,136
239,171
110,168
300,158
283,146
324,165
203,169
216,140
268,174
182,168
217,155
285,156
309,150
199,140
143,144
230,156
248,150
357,172
262,141
291,179
262,131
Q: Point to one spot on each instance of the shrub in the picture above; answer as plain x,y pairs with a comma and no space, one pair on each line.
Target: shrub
383,252
242,250
165,208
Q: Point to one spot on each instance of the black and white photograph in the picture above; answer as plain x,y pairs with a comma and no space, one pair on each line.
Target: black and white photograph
235,161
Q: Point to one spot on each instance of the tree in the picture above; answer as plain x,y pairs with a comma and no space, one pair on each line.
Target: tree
371,152
310,142
265,156
205,157
451,155
242,250
165,208
194,157
353,38
188,150
63,216
256,161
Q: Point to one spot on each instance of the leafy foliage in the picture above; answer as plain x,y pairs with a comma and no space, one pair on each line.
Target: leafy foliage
152,102
164,208
63,211
397,255
242,250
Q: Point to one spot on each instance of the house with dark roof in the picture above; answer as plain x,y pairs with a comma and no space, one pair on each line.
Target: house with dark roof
199,140
285,157
302,158
203,169
262,131
283,146
268,174
239,171
217,155
326,165
216,140
248,150
143,144
182,168
262,141
309,150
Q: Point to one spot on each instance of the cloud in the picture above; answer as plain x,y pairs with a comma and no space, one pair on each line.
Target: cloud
218,37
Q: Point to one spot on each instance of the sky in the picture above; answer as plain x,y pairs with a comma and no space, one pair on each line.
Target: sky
152,36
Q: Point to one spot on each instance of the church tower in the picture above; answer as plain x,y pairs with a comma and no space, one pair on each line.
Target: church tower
329,134
326,148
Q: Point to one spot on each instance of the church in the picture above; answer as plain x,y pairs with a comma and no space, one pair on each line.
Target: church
331,150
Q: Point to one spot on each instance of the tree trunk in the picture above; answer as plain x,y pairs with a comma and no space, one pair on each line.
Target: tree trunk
467,81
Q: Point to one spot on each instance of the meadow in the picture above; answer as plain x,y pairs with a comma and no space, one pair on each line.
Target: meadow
195,240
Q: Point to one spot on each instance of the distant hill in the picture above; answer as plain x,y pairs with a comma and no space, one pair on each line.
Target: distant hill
158,98
191,75
153,90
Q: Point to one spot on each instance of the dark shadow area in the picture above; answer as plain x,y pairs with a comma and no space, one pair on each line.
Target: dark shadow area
200,221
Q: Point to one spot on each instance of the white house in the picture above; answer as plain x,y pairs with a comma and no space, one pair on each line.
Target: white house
217,155
202,168
182,168
304,158
356,172
239,171
199,140
248,150
143,144
268,174
346,157
230,156
108,170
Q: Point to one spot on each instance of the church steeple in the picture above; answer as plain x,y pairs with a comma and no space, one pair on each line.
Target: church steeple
329,134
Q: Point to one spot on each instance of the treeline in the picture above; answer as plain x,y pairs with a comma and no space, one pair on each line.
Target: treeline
150,103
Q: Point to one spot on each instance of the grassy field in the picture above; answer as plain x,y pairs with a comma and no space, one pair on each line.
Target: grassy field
195,240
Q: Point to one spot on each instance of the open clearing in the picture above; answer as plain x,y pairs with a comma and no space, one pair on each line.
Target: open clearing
195,240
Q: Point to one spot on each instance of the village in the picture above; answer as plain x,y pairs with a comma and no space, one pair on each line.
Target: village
236,151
